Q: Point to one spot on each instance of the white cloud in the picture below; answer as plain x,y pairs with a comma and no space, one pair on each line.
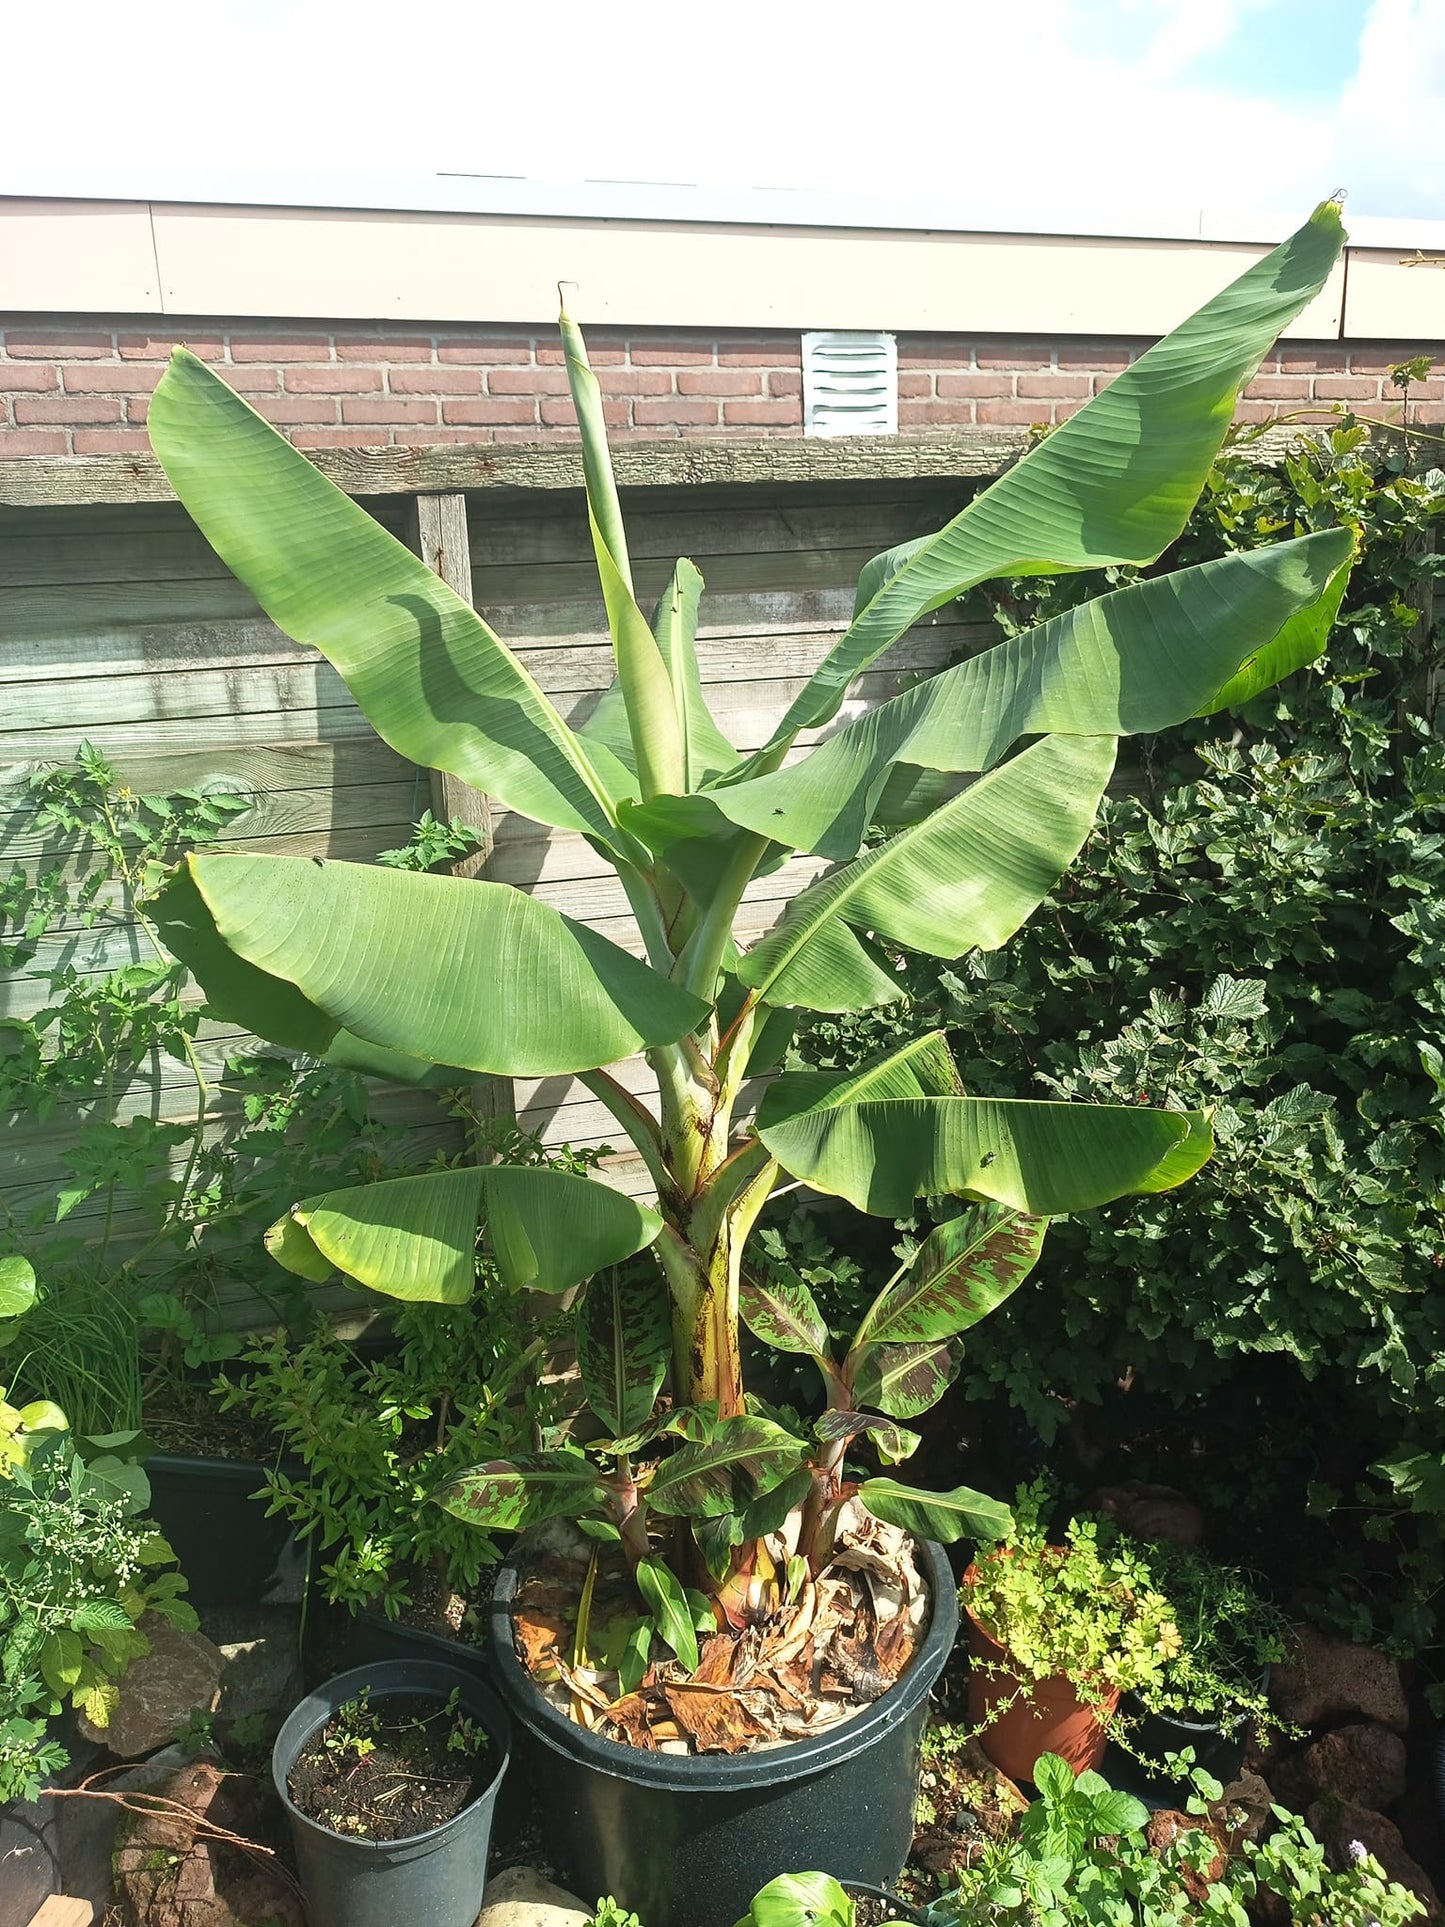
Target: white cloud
1044,111
1387,134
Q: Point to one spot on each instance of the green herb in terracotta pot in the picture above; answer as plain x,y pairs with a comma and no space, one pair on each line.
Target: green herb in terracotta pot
1057,1632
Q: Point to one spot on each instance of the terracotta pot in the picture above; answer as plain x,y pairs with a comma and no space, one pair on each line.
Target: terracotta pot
1047,1716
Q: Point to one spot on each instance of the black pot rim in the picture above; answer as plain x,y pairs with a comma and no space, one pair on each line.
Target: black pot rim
1227,1720
728,1772
319,1706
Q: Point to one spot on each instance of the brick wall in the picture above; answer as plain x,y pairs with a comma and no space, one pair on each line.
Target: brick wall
78,388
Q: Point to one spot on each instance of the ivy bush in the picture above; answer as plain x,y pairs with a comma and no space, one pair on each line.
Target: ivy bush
1257,925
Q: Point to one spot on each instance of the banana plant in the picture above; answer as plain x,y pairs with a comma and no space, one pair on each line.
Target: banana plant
947,815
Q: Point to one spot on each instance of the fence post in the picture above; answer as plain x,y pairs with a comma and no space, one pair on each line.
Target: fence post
440,538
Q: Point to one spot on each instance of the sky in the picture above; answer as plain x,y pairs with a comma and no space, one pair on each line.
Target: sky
1044,112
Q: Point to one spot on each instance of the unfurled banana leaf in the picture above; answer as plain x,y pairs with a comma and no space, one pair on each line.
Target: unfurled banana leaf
893,1442
432,678
744,1458
416,1238
904,1380
1114,483
962,1271
964,879
667,1602
1136,661
779,1308
507,1495
945,1516
624,1344
300,950
867,1137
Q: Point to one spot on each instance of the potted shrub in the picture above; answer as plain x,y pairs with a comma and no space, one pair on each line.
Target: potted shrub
708,1509
389,1776
1210,1695
1056,1634
371,1432
80,1567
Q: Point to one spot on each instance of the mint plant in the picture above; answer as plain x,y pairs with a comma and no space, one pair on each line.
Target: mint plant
1080,1856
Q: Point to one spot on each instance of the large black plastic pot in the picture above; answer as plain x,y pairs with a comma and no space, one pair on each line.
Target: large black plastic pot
371,1637
686,1841
430,1879
231,1552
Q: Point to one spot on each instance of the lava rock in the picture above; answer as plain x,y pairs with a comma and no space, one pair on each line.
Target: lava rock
1343,1826
1326,1681
158,1693
1362,1764
1198,1875
1245,1808
1150,1512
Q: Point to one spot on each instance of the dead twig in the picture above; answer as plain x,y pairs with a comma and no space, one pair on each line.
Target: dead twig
157,1806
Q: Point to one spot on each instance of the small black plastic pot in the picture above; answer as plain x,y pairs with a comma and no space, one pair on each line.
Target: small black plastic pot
371,1637
231,1552
687,1840
430,1879
891,1907
1219,1746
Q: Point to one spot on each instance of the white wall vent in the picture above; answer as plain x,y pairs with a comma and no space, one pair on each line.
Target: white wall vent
850,383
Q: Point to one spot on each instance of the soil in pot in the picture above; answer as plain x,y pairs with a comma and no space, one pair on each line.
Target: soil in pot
875,1907
391,1767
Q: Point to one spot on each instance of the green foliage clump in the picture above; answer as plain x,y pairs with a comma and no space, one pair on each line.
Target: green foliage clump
378,1435
1229,1633
611,1913
79,1568
1087,1610
1080,1855
1258,927
153,1218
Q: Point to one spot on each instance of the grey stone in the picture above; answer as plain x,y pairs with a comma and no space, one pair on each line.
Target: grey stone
158,1693
260,1648
521,1897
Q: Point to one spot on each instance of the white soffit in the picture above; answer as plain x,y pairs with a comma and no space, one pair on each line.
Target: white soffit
109,257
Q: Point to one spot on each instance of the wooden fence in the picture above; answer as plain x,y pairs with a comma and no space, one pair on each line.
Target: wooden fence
118,625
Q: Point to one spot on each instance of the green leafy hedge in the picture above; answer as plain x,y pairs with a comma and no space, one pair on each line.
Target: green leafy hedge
1259,926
